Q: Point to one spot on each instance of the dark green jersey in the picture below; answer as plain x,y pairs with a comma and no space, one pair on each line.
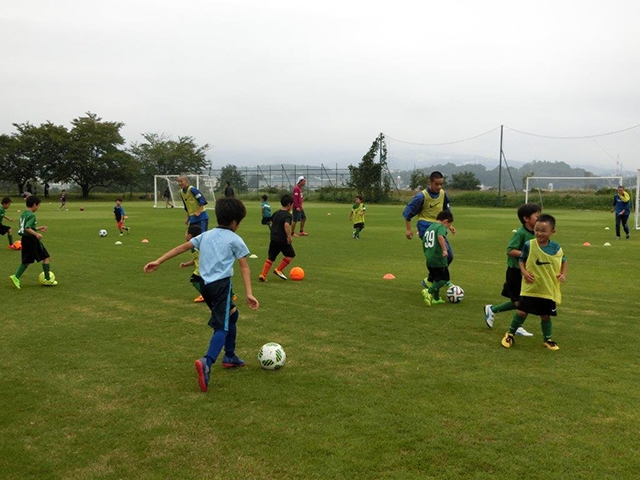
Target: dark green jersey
519,238
27,220
431,245
2,212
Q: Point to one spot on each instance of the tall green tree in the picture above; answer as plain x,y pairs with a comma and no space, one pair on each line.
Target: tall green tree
16,168
369,178
464,181
233,175
159,155
95,157
44,147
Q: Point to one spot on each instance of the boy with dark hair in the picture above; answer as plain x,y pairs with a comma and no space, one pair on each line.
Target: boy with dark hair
4,229
63,200
543,267
357,216
265,209
118,211
281,233
32,248
196,280
436,250
528,215
219,248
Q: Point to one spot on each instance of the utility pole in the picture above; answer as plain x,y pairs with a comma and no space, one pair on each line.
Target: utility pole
500,170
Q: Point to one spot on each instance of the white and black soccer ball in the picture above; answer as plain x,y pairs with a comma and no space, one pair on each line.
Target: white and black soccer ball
102,233
271,356
455,294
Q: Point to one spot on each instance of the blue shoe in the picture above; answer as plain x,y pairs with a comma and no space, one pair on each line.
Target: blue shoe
204,371
232,362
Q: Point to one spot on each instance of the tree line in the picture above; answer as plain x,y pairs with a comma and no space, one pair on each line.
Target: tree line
92,153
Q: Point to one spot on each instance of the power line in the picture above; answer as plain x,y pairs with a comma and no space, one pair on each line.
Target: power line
573,138
444,143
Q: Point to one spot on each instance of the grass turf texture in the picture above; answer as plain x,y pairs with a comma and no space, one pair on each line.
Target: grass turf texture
97,377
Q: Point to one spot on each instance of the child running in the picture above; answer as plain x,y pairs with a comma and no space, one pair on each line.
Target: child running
436,250
265,209
118,211
63,200
5,229
543,267
280,240
32,248
528,215
219,249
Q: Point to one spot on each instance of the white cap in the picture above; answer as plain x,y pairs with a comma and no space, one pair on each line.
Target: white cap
300,178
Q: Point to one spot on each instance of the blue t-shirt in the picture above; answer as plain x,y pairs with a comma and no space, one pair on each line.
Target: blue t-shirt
219,249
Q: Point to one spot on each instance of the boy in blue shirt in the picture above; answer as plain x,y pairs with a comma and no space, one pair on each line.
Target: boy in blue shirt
622,208
265,208
194,204
219,249
118,212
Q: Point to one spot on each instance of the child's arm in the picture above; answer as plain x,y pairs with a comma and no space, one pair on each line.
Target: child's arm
351,215
527,275
443,245
562,276
174,252
7,219
187,264
246,278
287,230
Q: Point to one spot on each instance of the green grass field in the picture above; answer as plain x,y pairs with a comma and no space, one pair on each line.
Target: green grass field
97,376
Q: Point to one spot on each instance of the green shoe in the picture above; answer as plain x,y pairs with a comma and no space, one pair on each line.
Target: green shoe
426,297
437,302
49,283
16,281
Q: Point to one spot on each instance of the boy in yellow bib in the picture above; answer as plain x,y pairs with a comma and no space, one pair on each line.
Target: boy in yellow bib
544,267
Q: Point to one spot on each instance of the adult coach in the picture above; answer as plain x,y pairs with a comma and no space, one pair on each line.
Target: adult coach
426,205
298,211
194,204
622,208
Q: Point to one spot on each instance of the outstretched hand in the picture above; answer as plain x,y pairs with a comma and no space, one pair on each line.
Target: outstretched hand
150,267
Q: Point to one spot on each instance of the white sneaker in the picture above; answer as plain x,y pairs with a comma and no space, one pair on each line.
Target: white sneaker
488,316
523,333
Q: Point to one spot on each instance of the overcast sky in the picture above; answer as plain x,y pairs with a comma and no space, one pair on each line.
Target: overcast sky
280,80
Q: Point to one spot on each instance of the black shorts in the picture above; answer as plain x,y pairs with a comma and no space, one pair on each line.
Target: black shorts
33,250
299,215
4,229
359,225
218,297
275,248
512,284
538,306
266,220
437,274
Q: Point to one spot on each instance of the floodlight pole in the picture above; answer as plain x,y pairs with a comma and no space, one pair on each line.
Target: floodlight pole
500,170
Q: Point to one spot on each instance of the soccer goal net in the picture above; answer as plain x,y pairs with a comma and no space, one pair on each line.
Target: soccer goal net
167,192
535,187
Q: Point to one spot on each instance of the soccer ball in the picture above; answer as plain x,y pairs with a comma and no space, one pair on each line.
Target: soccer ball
271,356
102,233
455,294
296,273
52,277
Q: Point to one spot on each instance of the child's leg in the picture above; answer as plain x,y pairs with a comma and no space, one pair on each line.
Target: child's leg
10,237
625,224
284,263
435,288
46,268
266,267
215,345
547,326
517,320
503,307
230,342
21,268
618,220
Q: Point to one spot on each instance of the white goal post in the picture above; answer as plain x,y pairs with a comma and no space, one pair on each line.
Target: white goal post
205,183
528,180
